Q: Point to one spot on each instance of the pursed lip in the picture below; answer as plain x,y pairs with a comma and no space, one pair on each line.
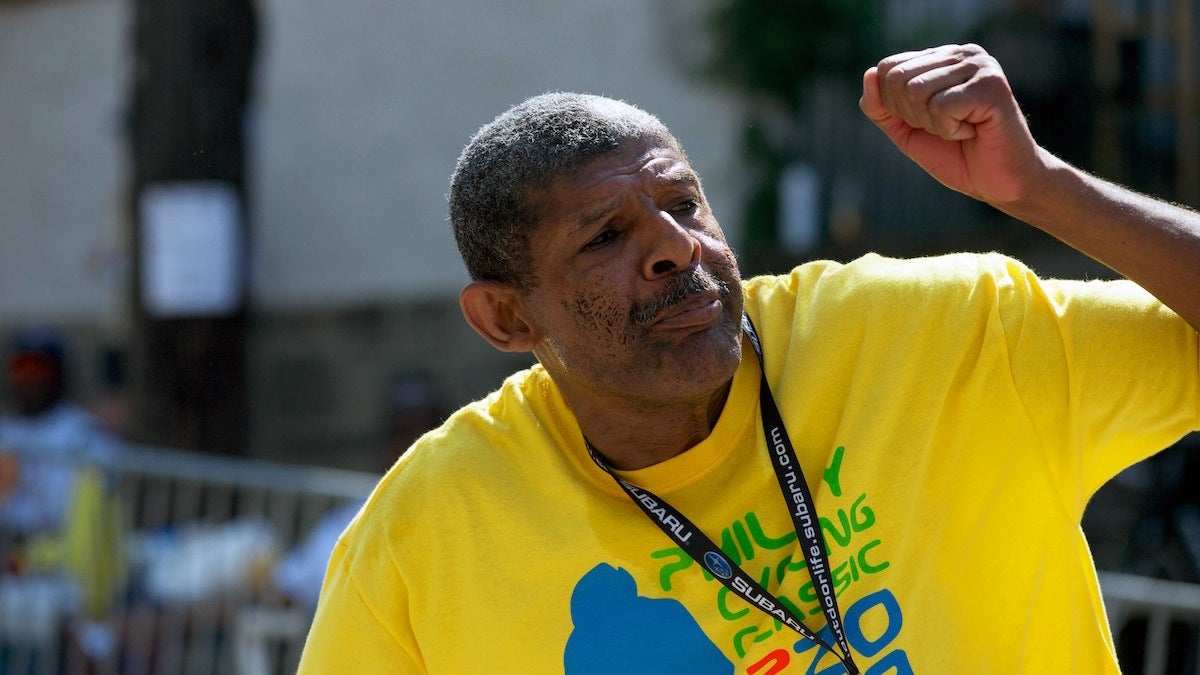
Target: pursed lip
698,310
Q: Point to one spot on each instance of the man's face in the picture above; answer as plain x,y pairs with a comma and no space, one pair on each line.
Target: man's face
638,294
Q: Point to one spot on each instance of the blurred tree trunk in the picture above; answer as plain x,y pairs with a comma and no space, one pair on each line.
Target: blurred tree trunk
192,79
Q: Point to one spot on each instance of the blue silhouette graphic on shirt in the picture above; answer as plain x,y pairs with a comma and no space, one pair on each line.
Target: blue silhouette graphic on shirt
618,631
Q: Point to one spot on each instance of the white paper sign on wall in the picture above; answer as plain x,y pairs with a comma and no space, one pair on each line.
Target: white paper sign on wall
191,250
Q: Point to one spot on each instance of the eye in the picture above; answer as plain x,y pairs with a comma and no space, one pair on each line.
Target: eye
685,207
604,238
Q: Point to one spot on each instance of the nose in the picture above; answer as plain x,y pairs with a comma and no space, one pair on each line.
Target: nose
669,246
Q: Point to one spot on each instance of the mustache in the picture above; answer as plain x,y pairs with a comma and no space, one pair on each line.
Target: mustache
681,288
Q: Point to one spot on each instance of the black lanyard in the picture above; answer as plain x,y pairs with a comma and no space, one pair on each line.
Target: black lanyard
804,518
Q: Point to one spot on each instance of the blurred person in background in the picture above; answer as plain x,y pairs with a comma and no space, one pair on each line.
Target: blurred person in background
894,455
110,407
59,513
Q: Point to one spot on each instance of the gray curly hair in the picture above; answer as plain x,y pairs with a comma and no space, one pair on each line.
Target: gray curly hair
491,208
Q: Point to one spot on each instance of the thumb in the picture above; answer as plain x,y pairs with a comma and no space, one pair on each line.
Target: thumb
871,104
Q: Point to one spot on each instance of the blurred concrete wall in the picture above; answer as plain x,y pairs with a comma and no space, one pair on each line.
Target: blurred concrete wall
62,69
363,106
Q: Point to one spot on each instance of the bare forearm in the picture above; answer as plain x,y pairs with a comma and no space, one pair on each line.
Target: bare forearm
1154,243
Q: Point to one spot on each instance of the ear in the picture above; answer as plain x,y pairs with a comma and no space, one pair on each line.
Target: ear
494,311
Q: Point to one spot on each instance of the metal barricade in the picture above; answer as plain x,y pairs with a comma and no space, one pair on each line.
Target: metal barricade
199,538
201,621
1171,612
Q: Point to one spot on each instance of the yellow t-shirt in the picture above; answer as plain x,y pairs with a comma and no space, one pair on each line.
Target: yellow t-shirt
952,416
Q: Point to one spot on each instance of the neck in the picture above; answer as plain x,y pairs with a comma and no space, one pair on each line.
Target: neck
631,435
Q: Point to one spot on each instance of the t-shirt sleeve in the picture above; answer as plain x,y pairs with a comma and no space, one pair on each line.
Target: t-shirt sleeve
1108,374
301,573
352,631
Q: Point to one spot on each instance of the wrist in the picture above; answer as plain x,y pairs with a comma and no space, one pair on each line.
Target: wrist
1047,194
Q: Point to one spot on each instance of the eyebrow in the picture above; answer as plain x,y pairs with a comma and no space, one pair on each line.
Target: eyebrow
598,213
680,176
672,178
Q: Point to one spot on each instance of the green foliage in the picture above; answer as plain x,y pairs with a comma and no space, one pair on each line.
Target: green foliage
769,161
777,47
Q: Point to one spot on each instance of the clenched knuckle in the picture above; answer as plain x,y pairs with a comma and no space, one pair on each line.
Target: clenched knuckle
993,80
937,107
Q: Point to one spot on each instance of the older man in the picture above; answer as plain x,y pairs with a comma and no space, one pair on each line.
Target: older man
873,467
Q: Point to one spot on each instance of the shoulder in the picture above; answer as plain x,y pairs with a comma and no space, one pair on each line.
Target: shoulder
873,272
71,416
875,285
65,426
476,448
483,429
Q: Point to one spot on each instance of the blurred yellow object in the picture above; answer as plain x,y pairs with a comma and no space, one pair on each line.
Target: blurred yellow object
89,549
